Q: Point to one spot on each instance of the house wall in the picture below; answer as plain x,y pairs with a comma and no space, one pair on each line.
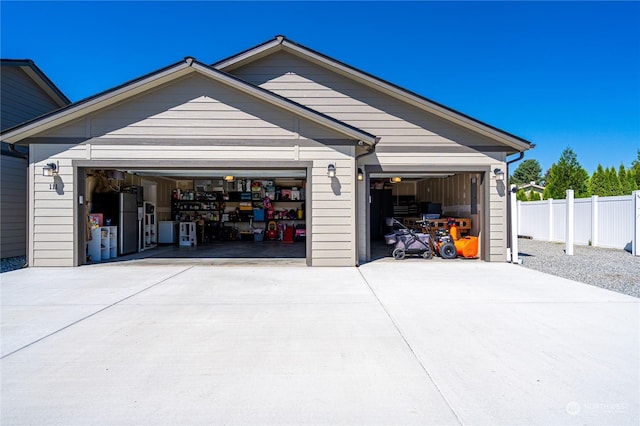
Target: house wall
176,126
411,139
13,190
22,99
396,122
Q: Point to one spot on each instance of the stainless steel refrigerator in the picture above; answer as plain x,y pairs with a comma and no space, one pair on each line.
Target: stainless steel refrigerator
128,224
122,211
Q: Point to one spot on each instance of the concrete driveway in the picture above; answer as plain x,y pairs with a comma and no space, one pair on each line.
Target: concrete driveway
412,342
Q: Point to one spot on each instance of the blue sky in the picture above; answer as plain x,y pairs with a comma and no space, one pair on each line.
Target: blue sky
557,74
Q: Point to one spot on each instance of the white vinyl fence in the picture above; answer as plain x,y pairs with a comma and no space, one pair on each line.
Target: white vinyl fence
612,222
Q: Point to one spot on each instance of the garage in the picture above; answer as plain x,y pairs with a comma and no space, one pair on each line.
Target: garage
215,213
239,158
425,203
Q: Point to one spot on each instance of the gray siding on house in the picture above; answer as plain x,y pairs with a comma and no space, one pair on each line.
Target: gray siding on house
13,193
22,99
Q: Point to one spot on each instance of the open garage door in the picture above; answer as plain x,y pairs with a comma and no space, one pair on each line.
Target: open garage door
232,213
425,203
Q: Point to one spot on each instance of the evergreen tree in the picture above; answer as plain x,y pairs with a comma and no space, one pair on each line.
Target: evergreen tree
567,174
534,196
627,180
528,171
635,167
598,182
521,195
613,182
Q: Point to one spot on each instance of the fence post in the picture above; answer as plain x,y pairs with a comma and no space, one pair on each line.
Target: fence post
514,224
519,203
594,220
568,247
550,218
635,243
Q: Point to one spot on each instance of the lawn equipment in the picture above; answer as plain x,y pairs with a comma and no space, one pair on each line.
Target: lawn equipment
405,241
450,245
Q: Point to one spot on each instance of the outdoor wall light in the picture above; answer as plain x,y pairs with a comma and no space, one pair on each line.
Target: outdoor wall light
395,179
360,174
51,169
331,170
499,174
229,178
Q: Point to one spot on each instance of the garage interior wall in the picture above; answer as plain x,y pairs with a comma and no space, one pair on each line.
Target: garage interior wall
454,193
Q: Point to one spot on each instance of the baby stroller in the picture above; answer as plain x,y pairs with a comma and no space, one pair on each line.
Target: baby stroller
405,241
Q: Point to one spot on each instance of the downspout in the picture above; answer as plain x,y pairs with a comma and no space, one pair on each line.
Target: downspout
512,245
371,150
24,156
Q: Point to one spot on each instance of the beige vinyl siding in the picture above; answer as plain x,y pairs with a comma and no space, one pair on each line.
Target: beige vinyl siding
394,121
333,232
333,207
53,224
195,107
13,198
497,217
22,99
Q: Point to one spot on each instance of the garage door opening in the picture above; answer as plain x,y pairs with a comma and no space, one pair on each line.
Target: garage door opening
412,198
216,214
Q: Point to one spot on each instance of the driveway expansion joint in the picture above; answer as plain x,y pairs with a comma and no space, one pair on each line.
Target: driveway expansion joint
94,313
415,355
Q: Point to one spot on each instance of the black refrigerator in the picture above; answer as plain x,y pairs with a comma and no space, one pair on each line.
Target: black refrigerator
122,210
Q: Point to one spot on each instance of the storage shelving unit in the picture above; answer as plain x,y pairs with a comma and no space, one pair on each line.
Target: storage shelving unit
103,244
150,230
237,207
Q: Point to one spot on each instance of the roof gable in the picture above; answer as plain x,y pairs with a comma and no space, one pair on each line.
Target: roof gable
39,78
166,75
280,43
193,107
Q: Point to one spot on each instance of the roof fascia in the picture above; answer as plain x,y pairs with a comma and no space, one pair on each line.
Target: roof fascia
285,103
250,54
40,78
94,103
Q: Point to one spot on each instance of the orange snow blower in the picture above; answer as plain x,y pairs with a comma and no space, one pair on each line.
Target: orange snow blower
466,247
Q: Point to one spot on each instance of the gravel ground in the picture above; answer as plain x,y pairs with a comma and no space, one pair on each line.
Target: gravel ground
12,263
612,269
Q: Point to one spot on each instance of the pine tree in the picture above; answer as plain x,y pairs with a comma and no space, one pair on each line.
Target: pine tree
627,180
598,184
521,195
635,167
567,174
613,182
528,171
